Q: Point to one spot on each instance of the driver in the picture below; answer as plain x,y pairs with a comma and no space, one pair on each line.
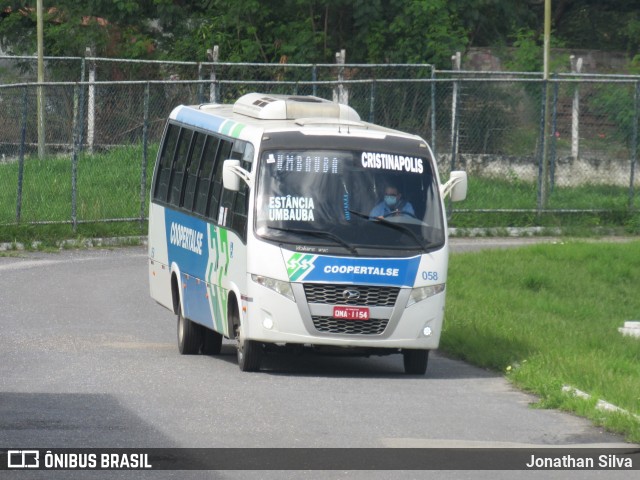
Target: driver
392,204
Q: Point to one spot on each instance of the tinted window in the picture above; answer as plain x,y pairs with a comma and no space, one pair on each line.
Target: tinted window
241,206
215,200
190,176
179,166
193,168
163,172
207,165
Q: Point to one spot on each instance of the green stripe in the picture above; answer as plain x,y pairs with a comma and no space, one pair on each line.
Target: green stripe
232,129
226,127
222,272
237,130
216,294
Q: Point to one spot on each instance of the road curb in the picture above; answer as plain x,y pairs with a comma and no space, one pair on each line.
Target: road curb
78,243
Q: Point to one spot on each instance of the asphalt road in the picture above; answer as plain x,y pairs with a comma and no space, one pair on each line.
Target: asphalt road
87,359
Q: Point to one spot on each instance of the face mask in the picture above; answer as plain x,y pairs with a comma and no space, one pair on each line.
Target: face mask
390,200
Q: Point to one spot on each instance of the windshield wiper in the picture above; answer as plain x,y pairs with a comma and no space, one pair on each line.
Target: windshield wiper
361,215
403,229
397,226
319,233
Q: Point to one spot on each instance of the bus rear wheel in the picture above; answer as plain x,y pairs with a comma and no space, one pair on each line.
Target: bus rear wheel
415,361
212,342
190,335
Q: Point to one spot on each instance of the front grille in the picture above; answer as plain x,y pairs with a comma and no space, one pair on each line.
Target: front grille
368,296
373,326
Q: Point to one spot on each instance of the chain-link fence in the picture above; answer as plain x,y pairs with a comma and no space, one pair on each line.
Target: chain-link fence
530,147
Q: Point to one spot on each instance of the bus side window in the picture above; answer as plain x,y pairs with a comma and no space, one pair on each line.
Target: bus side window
247,157
207,166
163,173
193,167
215,200
178,172
240,206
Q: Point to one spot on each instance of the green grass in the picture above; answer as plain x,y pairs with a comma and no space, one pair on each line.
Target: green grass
548,316
612,203
108,187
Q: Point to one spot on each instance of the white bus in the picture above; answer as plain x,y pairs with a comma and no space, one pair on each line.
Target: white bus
286,221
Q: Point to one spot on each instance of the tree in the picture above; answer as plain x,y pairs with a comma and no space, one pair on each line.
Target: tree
598,25
311,31
113,28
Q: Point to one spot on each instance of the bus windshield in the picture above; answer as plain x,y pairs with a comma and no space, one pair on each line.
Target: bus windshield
349,202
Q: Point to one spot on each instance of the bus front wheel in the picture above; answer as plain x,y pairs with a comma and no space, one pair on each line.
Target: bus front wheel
415,361
189,335
249,353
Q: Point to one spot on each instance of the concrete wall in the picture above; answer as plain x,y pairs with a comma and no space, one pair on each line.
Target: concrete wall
594,61
569,172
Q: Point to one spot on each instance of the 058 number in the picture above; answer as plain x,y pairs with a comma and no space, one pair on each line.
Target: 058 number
433,276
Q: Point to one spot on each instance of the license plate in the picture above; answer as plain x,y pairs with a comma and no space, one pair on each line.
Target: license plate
351,313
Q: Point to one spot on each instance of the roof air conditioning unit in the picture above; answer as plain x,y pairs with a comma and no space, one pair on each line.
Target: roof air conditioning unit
291,107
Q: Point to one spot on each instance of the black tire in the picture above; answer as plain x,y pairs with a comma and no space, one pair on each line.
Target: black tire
249,353
415,361
212,342
190,335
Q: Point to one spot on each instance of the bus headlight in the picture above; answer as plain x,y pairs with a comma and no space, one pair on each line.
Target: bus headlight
278,286
422,293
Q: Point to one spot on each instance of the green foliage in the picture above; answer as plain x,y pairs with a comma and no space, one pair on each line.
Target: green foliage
598,25
616,102
441,33
305,31
489,22
248,30
528,52
547,316
113,28
488,111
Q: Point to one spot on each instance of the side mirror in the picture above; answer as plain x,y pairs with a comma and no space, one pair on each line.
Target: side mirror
459,189
456,186
232,173
230,179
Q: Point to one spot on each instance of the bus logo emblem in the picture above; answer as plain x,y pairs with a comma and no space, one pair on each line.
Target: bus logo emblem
351,294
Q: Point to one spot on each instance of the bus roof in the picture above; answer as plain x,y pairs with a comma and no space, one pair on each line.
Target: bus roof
273,113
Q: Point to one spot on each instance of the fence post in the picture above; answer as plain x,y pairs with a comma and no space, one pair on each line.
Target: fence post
23,138
91,101
341,93
455,123
143,166
74,159
200,85
576,67
212,54
554,139
42,138
542,150
433,111
314,79
634,146
372,101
